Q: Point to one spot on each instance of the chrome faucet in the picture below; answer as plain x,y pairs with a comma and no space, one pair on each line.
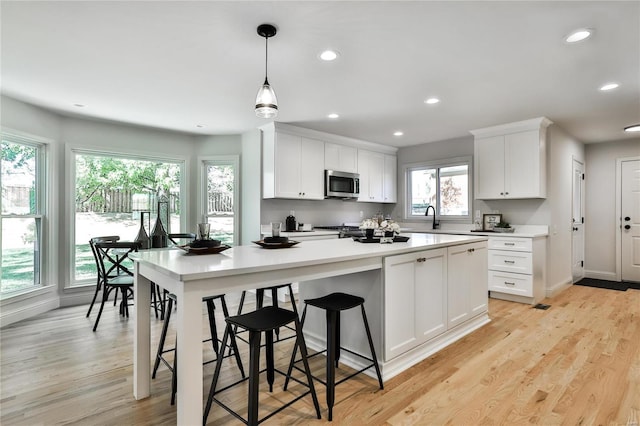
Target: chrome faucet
426,213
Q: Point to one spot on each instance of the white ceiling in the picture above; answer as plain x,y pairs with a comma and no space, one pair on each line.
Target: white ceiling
176,65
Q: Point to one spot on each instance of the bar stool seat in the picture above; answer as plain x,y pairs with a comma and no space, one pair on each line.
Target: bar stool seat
263,320
333,304
215,341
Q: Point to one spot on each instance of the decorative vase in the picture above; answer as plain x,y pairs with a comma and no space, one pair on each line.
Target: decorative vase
159,237
142,236
369,233
388,233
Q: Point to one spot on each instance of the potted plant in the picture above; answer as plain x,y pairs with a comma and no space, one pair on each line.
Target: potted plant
369,226
390,228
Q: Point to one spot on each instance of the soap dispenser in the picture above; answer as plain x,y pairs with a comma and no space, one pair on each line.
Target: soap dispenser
290,223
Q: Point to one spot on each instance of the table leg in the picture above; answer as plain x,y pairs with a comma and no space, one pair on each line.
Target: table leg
190,373
141,336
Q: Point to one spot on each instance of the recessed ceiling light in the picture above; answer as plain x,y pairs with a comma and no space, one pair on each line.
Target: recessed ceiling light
578,35
328,55
333,115
609,86
432,101
398,133
634,128
79,105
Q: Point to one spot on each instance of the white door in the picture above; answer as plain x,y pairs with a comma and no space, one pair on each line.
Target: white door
577,222
630,220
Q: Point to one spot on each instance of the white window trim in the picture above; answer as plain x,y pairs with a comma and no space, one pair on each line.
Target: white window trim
446,162
47,212
203,161
70,178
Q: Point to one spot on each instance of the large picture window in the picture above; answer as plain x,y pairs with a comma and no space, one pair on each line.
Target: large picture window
443,185
114,195
23,209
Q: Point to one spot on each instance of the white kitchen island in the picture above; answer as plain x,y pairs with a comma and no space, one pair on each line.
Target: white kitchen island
410,316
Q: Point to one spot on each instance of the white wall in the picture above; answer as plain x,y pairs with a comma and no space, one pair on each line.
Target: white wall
601,223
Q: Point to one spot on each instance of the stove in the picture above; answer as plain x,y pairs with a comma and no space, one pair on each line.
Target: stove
345,231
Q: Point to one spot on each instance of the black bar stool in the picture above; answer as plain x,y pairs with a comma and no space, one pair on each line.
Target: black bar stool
214,341
267,320
334,303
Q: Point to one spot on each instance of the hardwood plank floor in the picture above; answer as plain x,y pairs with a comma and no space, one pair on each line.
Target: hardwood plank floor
576,363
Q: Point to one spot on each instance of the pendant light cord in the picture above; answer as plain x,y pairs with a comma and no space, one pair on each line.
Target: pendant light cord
266,58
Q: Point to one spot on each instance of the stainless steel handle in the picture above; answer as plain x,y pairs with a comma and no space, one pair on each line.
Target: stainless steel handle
509,244
471,250
509,261
421,259
508,283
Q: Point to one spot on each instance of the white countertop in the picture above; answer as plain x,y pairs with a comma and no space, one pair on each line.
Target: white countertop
529,231
253,258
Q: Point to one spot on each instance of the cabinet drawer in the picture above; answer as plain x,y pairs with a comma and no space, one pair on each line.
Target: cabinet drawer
510,243
510,261
505,282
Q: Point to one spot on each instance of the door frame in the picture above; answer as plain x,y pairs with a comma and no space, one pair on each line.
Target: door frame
619,162
574,160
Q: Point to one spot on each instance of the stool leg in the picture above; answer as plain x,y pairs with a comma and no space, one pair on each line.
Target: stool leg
303,352
259,298
240,305
228,330
295,350
274,302
254,376
337,339
373,351
163,336
269,356
211,311
331,361
234,345
174,377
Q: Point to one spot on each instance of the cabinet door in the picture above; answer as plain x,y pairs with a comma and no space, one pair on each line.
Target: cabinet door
468,287
390,178
489,167
364,164
311,169
340,157
415,299
522,165
287,166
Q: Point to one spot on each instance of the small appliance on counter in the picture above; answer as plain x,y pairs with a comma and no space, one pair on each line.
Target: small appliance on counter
290,223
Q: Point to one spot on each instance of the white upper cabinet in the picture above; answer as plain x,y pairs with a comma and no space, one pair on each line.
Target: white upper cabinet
291,168
377,177
510,160
340,158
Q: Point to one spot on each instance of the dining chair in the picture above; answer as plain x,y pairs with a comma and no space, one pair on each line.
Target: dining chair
112,239
113,272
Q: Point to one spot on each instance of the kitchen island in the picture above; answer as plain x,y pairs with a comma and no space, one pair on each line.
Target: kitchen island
420,296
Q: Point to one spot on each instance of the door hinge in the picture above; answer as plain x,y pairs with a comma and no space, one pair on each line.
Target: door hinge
582,263
583,176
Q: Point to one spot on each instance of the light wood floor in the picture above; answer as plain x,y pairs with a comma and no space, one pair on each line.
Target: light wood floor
576,363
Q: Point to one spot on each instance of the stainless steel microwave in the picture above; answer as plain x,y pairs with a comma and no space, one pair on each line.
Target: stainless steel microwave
341,184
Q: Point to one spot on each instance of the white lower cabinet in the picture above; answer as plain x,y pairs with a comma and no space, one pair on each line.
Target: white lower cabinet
468,295
517,268
427,293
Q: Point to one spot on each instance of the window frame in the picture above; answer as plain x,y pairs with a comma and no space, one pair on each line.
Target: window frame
43,208
70,179
438,164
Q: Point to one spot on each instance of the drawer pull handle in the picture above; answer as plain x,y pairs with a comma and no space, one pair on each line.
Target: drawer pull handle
471,250
508,283
421,259
510,261
509,244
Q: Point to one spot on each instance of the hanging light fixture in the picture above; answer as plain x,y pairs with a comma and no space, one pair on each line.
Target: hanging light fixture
266,102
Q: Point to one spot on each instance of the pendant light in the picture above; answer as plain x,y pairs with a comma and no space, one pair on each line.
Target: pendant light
266,102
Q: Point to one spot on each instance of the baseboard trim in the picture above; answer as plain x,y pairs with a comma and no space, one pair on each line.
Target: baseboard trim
558,288
12,314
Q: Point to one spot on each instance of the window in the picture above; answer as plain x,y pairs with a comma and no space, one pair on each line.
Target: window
443,185
23,210
112,196
220,197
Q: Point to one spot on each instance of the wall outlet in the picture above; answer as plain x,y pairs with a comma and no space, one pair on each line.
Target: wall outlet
361,214
478,214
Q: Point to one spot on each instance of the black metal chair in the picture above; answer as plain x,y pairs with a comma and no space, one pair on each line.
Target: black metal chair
215,341
263,320
113,273
112,239
333,304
